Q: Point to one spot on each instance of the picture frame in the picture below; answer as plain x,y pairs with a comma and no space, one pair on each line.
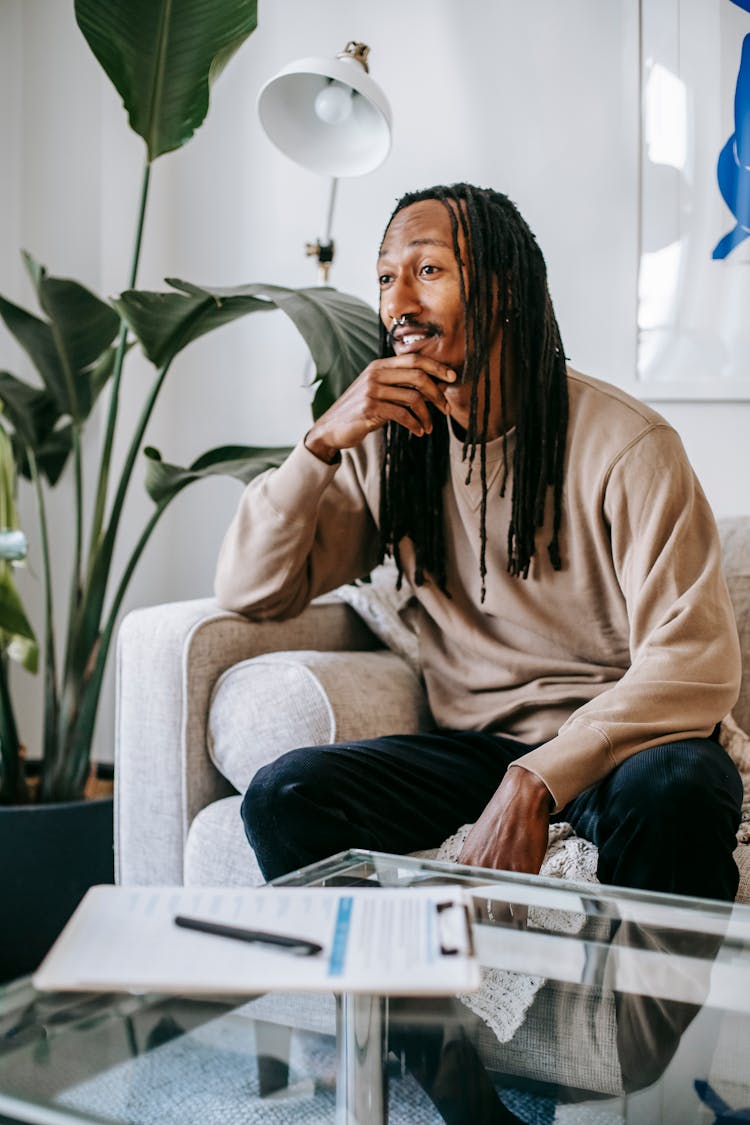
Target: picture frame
693,303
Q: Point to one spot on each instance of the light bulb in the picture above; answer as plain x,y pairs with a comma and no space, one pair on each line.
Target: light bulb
333,104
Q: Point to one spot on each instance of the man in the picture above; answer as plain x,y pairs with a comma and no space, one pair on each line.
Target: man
583,682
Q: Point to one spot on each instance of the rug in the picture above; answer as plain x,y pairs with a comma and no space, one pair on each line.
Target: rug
209,1077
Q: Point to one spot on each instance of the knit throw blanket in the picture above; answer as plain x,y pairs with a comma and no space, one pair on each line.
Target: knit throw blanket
505,997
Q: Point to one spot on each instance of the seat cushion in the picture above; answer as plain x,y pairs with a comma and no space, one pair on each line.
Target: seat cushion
216,851
263,707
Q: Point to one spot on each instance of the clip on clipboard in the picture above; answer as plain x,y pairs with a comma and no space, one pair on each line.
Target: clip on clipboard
454,928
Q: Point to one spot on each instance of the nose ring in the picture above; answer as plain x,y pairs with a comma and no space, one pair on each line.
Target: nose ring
398,321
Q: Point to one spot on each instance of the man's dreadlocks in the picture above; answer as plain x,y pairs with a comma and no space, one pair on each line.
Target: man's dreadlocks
503,280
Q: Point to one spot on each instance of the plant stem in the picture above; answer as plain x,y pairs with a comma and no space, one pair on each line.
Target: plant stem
135,446
104,465
101,562
80,697
77,577
50,659
83,729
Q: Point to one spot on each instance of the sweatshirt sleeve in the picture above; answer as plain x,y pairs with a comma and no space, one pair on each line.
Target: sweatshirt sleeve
299,531
684,675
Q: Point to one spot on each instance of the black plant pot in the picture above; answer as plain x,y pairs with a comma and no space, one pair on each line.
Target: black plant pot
49,856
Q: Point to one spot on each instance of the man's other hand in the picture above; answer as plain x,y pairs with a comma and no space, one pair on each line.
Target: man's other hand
511,834
397,389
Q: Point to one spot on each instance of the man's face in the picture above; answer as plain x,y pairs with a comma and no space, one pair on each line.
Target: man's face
419,281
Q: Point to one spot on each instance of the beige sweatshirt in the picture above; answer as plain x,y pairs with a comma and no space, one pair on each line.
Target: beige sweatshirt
631,644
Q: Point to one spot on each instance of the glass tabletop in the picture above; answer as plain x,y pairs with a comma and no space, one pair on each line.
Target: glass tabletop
597,1005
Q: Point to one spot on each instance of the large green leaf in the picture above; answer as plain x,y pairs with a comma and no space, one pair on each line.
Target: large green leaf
35,337
243,462
52,454
340,330
70,350
162,55
165,323
36,413
32,411
83,328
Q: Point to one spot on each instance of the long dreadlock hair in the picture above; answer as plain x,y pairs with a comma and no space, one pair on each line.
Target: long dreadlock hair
503,281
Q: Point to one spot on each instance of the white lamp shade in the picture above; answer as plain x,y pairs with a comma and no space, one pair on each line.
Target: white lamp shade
358,144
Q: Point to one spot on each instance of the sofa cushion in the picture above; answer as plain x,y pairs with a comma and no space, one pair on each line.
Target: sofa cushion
263,707
217,853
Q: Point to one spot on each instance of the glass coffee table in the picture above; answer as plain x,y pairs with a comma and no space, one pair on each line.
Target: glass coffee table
598,1006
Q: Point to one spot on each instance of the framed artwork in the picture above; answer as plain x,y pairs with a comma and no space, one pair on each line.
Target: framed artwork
694,262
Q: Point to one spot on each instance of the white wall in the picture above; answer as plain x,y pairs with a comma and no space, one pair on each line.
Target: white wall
538,99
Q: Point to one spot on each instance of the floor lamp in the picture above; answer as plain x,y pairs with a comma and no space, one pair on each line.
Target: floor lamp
329,116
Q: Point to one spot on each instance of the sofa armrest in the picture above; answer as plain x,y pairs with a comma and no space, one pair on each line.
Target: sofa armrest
168,660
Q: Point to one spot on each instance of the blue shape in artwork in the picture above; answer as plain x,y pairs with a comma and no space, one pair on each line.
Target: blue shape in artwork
723,1113
744,4
733,168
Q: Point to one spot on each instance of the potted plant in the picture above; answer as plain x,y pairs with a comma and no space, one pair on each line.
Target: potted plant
161,55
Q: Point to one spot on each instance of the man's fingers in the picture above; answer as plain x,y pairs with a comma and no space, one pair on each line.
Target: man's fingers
405,418
420,362
415,381
411,398
400,372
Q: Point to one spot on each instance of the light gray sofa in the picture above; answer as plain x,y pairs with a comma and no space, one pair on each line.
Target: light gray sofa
205,697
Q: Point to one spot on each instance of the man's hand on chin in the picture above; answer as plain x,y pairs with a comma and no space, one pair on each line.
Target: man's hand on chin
511,834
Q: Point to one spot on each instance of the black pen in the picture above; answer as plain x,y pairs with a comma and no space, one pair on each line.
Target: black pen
300,946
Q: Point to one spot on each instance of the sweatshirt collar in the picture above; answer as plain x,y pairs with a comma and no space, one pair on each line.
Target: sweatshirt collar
494,447
472,492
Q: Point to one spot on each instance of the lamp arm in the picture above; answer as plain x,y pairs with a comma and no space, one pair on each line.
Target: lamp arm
332,193
323,248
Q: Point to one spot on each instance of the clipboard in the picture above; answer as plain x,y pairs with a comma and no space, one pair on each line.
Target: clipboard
384,941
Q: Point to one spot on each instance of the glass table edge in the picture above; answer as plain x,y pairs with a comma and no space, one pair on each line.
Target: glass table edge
341,861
